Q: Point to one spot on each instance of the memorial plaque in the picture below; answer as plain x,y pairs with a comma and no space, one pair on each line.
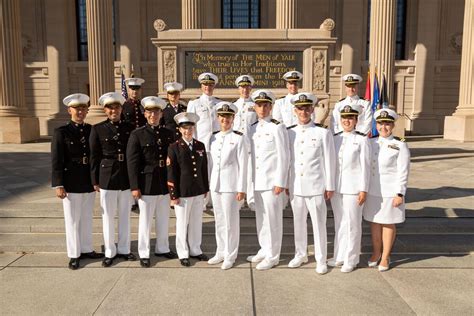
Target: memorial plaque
266,67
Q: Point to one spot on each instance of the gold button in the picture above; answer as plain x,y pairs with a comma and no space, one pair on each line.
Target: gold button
195,169
194,163
195,175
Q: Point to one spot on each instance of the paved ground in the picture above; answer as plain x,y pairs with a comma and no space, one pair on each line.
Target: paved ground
433,270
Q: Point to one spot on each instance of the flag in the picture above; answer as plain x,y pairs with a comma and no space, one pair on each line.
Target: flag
124,87
367,95
375,102
383,101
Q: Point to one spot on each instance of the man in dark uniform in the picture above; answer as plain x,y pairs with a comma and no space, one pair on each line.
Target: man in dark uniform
146,152
188,184
132,109
173,107
71,179
109,175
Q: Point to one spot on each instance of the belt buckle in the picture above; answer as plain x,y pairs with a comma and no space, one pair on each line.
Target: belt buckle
85,160
161,163
121,157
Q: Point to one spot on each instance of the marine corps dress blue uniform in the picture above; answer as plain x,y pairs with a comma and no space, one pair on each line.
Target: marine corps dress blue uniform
132,111
70,170
108,142
167,120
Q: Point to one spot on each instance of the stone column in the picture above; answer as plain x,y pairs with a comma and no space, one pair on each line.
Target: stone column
286,14
100,51
382,40
460,126
190,14
425,121
56,16
16,123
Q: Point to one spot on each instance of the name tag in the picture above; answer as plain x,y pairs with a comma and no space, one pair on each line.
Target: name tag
393,146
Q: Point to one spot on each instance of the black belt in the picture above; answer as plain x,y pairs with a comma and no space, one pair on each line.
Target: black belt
119,157
161,163
82,161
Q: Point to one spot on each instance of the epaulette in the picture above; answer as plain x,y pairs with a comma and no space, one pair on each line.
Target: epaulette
213,133
281,97
238,133
338,133
291,126
320,125
341,99
254,123
235,100
275,121
398,138
359,133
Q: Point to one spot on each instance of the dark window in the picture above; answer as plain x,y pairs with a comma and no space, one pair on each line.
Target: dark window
401,27
81,19
240,14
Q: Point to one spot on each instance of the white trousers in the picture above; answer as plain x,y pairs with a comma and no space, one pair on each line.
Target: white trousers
269,219
189,226
78,209
227,220
113,201
158,205
316,206
348,228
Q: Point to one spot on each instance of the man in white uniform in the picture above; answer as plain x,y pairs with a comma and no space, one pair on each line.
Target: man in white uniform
228,184
364,121
245,112
311,180
270,161
283,109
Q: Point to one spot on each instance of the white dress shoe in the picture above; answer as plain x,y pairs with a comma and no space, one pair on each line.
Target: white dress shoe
383,268
215,260
297,262
333,263
347,268
265,265
256,258
373,264
321,268
227,265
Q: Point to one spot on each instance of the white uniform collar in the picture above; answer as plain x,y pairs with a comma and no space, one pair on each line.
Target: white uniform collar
384,139
207,98
226,132
352,99
266,119
345,134
310,124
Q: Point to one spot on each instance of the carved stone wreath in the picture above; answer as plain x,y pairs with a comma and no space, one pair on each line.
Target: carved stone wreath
328,25
159,25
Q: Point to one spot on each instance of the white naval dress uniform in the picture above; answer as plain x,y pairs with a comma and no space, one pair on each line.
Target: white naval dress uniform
352,177
390,164
270,161
283,111
312,170
229,156
245,115
364,121
205,108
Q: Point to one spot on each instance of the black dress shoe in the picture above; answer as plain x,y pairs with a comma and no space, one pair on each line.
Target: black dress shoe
127,257
169,255
92,255
74,263
145,263
185,262
107,262
201,257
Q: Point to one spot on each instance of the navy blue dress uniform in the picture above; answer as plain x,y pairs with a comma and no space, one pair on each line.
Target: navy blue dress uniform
109,171
132,110
188,181
70,170
147,151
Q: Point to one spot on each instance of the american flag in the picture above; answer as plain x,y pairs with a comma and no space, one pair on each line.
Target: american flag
124,87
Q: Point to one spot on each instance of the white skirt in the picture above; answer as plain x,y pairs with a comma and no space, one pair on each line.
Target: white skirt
380,210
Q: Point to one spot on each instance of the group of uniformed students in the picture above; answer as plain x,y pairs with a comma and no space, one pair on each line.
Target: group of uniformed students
265,151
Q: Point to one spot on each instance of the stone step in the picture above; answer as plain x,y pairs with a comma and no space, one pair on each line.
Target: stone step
405,243
247,225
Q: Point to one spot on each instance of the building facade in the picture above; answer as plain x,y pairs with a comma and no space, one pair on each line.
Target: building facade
51,48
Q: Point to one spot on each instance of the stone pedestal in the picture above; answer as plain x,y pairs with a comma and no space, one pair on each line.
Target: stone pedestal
460,126
16,124
100,51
